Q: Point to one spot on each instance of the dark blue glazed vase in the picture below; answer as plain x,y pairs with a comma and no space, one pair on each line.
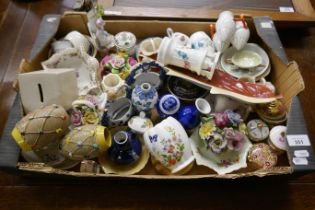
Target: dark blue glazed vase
126,148
189,116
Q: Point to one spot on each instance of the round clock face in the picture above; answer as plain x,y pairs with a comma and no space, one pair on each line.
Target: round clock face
257,130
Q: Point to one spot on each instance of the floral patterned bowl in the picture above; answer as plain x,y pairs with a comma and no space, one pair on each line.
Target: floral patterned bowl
222,163
168,143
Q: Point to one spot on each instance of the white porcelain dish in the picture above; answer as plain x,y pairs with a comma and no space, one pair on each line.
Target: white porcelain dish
237,72
246,59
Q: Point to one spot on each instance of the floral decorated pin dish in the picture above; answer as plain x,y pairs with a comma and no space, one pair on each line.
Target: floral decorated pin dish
219,143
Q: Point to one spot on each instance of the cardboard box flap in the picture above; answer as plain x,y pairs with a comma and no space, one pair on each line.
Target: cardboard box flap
297,128
265,28
47,30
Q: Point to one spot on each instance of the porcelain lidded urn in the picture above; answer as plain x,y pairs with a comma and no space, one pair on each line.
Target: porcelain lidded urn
144,97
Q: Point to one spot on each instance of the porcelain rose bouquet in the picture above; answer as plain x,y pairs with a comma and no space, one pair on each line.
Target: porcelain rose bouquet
221,132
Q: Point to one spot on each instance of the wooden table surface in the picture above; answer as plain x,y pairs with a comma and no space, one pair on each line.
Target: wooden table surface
19,22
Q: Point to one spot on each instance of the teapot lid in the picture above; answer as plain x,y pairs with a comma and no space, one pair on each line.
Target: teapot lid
140,124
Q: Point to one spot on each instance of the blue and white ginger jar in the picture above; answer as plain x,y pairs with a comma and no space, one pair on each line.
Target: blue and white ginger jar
144,97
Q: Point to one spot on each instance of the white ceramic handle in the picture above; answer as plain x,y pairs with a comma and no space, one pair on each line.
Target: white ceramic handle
169,32
262,80
153,44
84,102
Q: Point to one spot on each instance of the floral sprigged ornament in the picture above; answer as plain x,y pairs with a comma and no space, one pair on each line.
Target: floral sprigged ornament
219,132
84,112
211,136
119,63
90,118
228,118
221,142
217,143
76,118
234,138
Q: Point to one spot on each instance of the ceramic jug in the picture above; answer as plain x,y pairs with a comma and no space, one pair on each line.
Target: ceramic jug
200,61
114,86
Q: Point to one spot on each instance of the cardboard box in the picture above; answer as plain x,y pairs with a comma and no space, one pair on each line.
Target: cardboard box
285,75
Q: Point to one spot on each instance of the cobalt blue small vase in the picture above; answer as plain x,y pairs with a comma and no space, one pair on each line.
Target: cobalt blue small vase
126,148
189,116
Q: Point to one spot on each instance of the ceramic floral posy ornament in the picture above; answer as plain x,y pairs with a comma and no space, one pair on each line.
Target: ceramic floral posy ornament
219,140
119,63
219,144
169,144
84,112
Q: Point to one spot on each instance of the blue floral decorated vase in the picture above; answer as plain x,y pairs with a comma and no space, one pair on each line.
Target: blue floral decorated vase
126,148
144,97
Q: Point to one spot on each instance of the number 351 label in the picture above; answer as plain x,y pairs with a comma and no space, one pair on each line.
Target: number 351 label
298,140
